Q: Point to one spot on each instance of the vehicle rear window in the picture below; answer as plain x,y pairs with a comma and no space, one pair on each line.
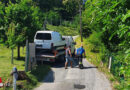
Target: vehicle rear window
43,36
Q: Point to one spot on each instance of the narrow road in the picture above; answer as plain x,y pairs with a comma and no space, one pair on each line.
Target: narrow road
88,78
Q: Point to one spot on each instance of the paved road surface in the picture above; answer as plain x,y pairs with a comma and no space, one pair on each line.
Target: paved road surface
88,78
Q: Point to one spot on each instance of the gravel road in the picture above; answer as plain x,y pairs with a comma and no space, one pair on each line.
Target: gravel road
88,78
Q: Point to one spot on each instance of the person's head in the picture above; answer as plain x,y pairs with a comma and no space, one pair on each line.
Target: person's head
81,46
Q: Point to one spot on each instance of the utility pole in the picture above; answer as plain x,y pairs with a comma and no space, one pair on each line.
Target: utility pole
80,16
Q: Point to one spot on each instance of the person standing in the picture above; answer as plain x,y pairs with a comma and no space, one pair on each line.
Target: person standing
68,56
79,53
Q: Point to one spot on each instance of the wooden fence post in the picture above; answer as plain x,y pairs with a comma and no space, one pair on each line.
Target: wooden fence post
27,56
32,58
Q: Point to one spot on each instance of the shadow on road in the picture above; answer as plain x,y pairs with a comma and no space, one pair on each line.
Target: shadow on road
50,77
90,67
87,67
61,63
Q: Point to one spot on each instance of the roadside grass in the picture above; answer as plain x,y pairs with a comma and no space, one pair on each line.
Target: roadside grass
94,58
34,76
5,62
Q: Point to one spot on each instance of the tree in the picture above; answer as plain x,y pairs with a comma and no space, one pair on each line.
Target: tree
11,39
53,17
28,19
70,9
2,23
47,5
111,19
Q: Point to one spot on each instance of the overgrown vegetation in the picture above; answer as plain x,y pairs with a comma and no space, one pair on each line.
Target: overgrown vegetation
5,63
109,23
35,76
63,30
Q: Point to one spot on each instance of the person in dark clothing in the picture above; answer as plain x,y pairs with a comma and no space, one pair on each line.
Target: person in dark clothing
79,53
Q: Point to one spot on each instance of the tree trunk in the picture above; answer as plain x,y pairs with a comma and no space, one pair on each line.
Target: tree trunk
18,51
12,56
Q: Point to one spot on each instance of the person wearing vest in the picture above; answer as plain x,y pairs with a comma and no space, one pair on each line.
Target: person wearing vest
68,57
79,53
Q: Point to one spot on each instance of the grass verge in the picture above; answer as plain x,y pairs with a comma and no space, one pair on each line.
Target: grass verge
35,76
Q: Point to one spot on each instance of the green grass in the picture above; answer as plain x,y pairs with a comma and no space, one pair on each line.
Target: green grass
5,62
34,76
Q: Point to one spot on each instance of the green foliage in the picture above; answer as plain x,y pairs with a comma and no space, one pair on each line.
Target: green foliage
6,67
26,16
52,17
71,8
112,18
63,30
35,76
75,22
95,40
2,21
47,5
11,36
40,71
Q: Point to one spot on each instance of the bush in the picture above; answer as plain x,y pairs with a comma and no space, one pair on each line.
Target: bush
95,40
52,17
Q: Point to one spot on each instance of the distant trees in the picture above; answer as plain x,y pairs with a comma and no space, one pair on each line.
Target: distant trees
52,17
70,9
47,5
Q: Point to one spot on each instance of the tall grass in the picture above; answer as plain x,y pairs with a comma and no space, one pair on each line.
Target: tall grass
5,62
34,76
